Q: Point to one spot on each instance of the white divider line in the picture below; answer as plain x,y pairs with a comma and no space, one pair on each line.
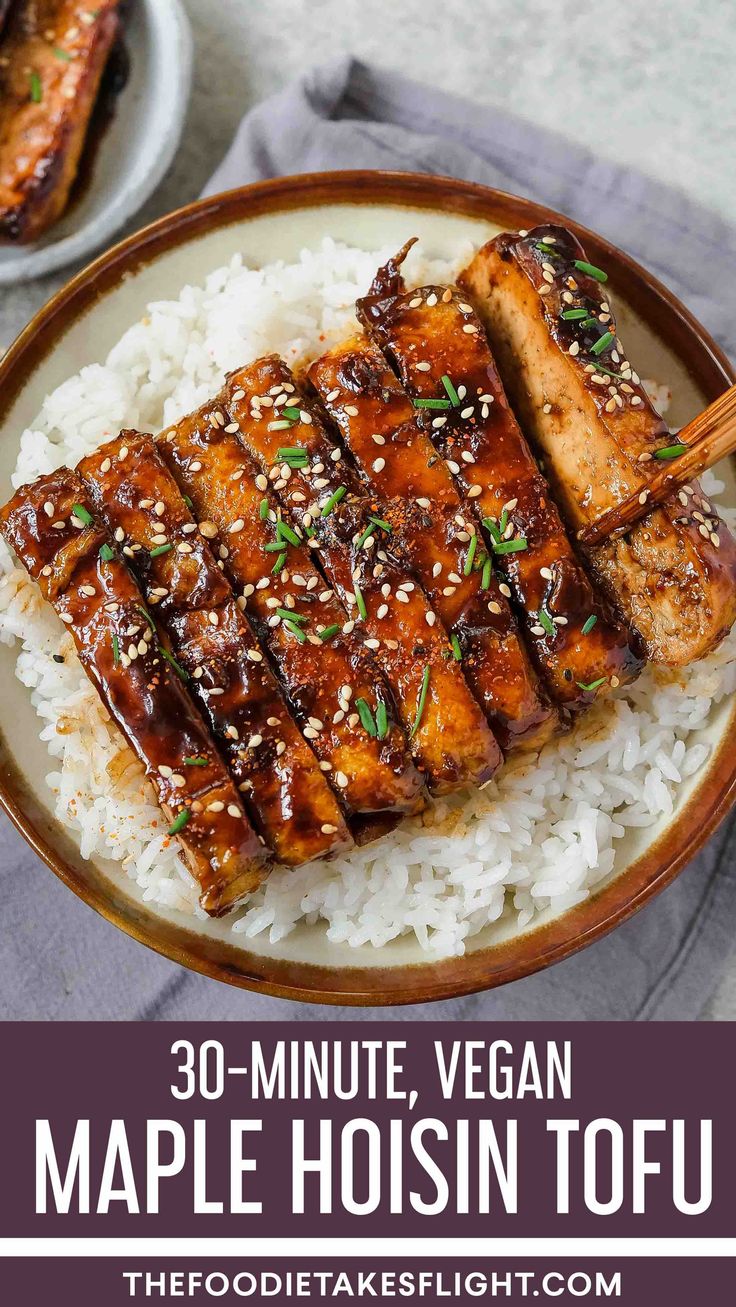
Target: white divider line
341,1248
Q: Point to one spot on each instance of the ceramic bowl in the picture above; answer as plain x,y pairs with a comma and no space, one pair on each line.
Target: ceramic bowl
277,219
135,150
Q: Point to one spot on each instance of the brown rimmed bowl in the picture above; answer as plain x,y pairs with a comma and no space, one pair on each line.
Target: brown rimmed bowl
272,220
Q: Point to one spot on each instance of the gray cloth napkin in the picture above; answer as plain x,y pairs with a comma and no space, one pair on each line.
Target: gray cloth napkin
58,959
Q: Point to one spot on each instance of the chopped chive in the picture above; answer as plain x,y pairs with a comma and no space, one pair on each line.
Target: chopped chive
333,500
188,501
179,822
328,632
588,322
380,521
106,553
284,532
670,451
279,426
547,249
470,556
195,762
360,601
36,88
381,720
591,270
510,546
145,613
593,685
280,562
160,549
169,658
452,394
608,373
294,461
294,455
115,651
486,577
572,315
603,343
369,531
288,613
503,521
546,622
432,403
366,717
589,623
492,528
274,547
456,650
288,411
263,510
295,629
62,54
83,514
421,703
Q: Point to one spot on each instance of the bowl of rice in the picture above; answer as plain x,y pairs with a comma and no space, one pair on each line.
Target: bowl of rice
481,888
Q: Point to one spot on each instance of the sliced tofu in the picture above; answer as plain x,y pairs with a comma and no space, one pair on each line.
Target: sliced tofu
553,331
51,527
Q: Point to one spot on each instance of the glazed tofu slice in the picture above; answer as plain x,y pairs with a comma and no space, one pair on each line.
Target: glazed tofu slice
52,57
51,527
322,667
582,404
282,430
440,533
287,796
435,341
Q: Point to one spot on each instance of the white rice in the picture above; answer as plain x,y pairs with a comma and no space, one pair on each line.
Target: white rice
544,833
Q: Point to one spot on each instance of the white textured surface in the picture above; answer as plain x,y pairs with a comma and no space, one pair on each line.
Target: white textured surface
649,85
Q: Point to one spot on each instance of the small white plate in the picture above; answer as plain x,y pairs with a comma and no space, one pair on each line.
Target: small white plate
137,148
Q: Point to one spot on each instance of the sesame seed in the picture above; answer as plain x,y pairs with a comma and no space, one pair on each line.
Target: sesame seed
643,496
474,491
215,806
505,590
494,607
183,547
379,465
261,482
546,573
423,367
48,508
255,655
574,348
470,330
438,422
237,525
328,829
351,410
123,453
341,779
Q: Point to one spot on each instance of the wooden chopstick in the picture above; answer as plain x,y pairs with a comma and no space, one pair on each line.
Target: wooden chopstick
709,437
